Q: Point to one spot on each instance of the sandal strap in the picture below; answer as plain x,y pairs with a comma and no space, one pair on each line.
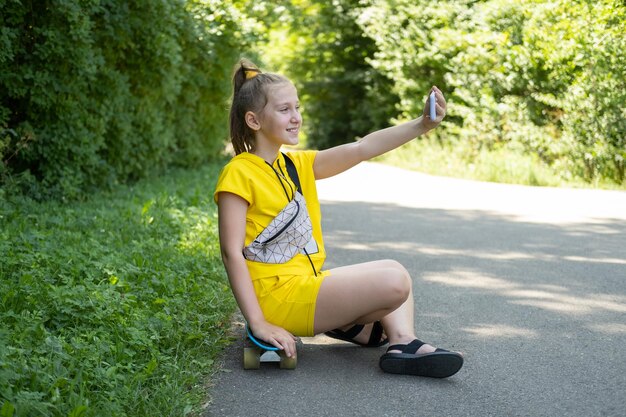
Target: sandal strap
408,348
350,333
375,338
376,334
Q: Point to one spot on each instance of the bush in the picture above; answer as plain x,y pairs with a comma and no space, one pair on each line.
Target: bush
101,92
514,72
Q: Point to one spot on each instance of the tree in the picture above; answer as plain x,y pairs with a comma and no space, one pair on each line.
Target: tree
100,92
320,46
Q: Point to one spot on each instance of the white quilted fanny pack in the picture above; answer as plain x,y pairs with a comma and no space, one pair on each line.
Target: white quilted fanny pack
286,235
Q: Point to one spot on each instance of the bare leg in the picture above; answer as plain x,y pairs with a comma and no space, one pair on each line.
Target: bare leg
363,293
360,294
399,325
382,291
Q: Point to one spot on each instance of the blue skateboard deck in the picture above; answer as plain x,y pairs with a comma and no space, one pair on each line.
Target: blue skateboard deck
257,351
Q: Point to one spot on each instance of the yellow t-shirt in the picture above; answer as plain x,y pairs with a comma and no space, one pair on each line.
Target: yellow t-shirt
251,178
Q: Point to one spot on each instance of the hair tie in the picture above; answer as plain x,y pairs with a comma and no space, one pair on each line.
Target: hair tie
251,73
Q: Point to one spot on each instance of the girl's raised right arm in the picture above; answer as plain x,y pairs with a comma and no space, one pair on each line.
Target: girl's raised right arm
335,160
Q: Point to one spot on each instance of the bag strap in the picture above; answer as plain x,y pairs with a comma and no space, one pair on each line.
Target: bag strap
293,172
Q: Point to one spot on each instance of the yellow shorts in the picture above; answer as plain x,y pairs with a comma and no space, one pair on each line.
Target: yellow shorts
289,301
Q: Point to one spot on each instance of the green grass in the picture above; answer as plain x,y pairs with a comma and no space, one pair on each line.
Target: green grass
505,165
115,306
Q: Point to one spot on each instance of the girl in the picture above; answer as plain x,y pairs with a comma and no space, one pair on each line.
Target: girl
277,278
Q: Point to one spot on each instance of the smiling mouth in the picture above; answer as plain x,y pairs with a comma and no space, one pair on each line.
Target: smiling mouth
293,130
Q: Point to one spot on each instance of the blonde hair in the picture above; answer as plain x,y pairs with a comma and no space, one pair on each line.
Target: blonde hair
250,86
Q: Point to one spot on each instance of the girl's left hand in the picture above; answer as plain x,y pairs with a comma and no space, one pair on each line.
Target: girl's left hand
440,108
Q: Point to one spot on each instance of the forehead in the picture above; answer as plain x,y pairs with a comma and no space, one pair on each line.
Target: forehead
280,93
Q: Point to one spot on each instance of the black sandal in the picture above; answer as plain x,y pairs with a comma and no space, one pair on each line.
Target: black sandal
375,339
438,364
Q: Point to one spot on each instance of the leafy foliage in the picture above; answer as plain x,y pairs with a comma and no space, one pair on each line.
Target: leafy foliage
114,306
519,77
319,45
343,95
100,92
515,73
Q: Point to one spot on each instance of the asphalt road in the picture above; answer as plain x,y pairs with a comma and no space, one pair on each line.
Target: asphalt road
529,283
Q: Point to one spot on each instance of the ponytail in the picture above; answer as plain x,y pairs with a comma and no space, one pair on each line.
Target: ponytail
249,94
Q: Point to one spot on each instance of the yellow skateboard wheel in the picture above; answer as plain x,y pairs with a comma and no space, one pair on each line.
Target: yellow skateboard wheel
251,358
287,363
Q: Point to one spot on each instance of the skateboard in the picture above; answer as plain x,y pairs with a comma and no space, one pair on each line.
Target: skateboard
257,351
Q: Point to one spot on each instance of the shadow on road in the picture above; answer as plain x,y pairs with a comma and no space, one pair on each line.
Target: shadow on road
571,269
